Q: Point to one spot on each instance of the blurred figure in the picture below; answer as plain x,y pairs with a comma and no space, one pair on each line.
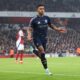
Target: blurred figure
11,53
78,51
20,45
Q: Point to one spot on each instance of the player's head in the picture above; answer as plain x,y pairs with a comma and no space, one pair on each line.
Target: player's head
41,9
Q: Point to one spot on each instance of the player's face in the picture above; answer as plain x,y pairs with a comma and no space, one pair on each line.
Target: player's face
41,10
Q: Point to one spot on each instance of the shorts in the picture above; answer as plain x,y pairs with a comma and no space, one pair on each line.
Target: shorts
40,42
20,46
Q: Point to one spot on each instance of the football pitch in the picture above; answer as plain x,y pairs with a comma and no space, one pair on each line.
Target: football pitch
62,68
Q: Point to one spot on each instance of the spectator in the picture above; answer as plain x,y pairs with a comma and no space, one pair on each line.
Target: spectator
51,6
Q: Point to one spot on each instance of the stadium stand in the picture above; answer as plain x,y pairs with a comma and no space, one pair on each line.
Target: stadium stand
57,42
51,5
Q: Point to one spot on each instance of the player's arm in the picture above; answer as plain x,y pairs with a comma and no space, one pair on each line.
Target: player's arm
29,33
30,29
54,27
59,29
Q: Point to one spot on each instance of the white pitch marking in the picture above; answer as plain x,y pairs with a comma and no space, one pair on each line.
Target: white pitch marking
61,74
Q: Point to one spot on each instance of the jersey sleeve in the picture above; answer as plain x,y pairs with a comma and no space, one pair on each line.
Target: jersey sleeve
21,33
49,20
31,23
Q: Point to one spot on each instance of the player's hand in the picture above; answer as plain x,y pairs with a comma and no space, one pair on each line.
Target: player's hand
62,30
29,38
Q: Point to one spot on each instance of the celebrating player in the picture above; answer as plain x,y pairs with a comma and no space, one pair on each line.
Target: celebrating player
39,26
20,45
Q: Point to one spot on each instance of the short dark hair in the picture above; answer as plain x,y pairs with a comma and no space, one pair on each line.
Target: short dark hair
39,5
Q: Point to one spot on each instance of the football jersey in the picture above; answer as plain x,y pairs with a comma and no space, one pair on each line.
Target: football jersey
39,25
19,36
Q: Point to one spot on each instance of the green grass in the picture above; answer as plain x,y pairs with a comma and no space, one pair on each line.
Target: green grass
62,69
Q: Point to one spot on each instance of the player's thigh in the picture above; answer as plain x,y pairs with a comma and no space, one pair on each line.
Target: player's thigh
39,45
44,42
44,46
41,49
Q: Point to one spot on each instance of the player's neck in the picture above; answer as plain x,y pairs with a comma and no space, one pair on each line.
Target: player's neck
40,15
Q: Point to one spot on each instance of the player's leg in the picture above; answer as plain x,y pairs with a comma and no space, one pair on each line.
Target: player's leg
44,46
40,53
41,45
36,52
17,53
42,56
37,42
21,52
17,56
41,49
21,56
43,59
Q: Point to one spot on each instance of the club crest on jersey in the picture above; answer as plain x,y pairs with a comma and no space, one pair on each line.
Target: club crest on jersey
39,22
46,21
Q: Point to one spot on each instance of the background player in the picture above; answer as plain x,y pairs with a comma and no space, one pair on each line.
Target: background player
20,45
39,26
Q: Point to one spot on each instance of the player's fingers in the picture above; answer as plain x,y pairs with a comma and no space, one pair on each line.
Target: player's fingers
29,39
63,31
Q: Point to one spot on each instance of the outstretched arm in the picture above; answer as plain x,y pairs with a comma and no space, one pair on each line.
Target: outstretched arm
57,28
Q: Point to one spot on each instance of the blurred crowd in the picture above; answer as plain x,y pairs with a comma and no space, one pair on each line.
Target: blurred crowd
30,5
61,43
57,42
7,40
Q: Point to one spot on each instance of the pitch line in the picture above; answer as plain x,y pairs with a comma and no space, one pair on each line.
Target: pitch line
36,73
